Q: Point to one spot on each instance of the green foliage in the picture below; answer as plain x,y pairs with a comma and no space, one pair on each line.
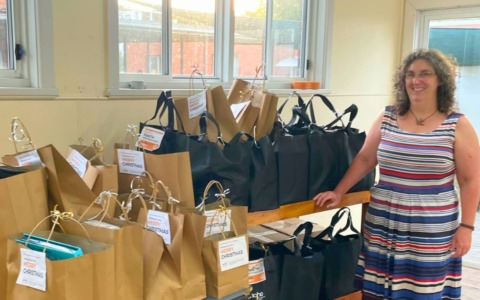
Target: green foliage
290,10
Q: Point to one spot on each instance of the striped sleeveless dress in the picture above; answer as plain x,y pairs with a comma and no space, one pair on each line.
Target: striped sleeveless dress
412,217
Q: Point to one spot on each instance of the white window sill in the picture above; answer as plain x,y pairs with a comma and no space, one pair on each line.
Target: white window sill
148,93
14,92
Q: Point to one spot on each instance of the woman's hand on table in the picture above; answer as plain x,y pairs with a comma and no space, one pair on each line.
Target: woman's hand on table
331,199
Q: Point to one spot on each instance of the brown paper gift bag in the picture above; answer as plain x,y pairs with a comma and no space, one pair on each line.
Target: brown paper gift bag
90,276
267,116
239,213
223,283
218,107
107,179
153,249
23,204
66,189
107,175
172,169
128,245
253,97
167,283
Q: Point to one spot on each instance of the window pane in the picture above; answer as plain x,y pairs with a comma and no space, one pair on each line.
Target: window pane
461,38
140,35
288,36
4,46
193,40
250,28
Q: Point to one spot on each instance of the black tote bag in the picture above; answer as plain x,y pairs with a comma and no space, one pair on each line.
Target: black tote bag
301,274
230,165
291,150
268,289
340,253
349,146
325,153
165,103
263,194
332,151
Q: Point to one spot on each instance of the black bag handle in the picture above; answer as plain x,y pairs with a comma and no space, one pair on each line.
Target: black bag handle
326,102
237,137
301,103
172,108
335,219
161,101
308,228
203,127
349,225
352,110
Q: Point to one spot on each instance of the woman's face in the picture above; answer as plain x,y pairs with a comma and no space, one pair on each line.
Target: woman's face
421,81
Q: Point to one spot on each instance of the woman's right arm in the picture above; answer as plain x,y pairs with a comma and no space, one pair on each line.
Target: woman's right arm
364,162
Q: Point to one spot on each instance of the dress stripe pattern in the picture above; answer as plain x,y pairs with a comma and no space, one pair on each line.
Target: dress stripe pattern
412,217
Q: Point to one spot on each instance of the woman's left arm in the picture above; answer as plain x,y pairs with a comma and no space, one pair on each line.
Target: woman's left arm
467,159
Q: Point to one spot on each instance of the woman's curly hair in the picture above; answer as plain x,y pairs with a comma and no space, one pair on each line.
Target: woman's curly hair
444,67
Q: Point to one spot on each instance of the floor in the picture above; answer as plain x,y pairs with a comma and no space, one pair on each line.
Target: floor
473,256
470,276
470,284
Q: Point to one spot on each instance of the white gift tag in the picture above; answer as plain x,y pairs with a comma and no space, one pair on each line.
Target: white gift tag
233,253
256,271
97,223
197,104
33,269
217,222
160,223
78,162
130,162
29,158
151,138
237,108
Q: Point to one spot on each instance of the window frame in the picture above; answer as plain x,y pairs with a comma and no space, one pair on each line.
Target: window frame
317,50
34,74
425,16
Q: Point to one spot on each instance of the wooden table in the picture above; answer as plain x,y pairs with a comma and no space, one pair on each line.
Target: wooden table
308,207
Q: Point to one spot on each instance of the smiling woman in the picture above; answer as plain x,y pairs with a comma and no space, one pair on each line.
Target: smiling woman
413,238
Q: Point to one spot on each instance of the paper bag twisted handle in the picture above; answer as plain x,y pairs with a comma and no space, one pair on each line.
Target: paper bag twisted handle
167,191
139,192
105,196
191,84
220,196
131,132
56,216
251,90
98,146
23,136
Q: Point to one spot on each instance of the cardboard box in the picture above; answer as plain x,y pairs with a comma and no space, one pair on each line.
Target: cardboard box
265,235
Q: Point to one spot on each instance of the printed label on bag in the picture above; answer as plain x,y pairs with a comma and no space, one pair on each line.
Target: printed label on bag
159,222
151,138
130,162
197,104
33,269
233,253
78,162
257,296
29,158
256,271
238,108
217,222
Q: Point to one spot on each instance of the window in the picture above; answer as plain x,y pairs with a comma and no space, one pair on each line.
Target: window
456,32
161,41
6,45
26,65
